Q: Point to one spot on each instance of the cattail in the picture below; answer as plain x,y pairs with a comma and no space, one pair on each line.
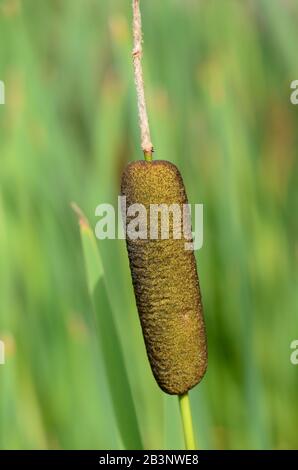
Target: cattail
165,281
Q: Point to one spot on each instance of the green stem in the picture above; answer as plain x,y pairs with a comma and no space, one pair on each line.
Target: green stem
148,156
185,410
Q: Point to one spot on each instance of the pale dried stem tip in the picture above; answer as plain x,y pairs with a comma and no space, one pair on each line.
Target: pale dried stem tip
83,221
137,62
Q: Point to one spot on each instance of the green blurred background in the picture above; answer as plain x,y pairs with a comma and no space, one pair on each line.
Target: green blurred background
218,76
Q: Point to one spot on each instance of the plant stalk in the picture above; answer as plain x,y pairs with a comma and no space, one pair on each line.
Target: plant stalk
139,81
186,418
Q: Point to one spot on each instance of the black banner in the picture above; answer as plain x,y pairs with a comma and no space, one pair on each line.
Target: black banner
133,459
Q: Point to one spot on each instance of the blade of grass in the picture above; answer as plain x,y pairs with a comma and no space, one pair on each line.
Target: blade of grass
108,337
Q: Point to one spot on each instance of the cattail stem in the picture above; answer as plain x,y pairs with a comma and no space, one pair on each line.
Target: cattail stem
186,417
139,82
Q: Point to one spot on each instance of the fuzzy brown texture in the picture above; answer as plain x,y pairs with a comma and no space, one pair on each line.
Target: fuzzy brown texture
166,283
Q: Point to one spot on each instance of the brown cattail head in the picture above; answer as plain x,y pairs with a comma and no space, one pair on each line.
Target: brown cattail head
165,281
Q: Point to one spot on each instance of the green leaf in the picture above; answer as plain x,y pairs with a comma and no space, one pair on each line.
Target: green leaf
109,341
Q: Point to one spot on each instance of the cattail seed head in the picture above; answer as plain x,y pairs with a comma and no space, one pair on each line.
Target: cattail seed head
165,282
